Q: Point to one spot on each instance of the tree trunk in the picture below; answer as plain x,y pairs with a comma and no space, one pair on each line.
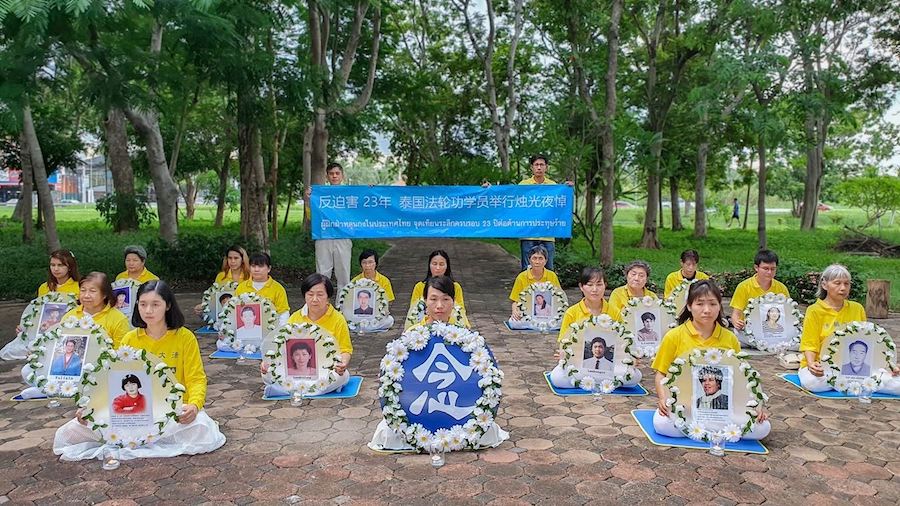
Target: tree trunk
318,149
119,164
27,190
650,237
676,205
272,183
254,225
224,173
45,199
700,230
287,211
878,298
747,205
190,197
39,223
607,139
146,125
761,199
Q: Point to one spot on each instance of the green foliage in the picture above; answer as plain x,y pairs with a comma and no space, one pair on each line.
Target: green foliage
876,195
196,256
120,210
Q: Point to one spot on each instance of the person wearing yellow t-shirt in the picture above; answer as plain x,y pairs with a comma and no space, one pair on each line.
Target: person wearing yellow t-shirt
832,308
368,262
235,267
636,275
535,273
592,284
701,326
317,292
96,302
439,265
765,263
62,274
135,265
261,283
159,330
688,272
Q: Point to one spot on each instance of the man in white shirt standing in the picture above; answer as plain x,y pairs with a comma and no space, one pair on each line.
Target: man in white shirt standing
334,254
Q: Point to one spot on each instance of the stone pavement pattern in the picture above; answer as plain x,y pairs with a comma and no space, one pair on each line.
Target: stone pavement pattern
561,451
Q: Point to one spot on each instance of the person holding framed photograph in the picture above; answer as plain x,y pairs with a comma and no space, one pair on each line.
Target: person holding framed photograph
701,325
535,273
368,262
647,333
262,284
439,265
135,265
688,272
765,263
62,274
235,267
96,302
637,273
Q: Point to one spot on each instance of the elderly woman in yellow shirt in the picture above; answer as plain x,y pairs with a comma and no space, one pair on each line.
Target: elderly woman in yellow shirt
62,274
832,308
235,267
535,273
688,272
637,273
701,327
135,265
439,265
159,330
368,262
317,291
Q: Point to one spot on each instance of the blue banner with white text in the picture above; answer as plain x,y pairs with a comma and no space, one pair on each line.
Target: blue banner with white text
517,211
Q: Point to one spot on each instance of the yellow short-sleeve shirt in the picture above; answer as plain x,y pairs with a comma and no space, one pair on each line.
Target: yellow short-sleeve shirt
419,291
577,313
619,298
225,277
272,290
383,282
685,338
531,181
70,287
143,278
178,348
332,321
676,278
112,320
750,289
526,278
820,321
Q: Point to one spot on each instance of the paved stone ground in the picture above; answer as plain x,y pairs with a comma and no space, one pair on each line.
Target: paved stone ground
561,451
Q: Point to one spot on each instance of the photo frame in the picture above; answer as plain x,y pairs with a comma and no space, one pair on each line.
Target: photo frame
773,323
678,298
214,300
131,400
855,356
248,323
63,356
364,305
30,323
581,345
542,305
265,320
124,295
648,320
318,373
51,314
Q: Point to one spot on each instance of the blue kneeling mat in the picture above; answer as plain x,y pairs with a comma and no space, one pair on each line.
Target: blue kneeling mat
351,389
644,418
794,379
233,355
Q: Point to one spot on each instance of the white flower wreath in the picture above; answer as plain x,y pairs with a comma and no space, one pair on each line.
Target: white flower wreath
268,319
833,371
714,356
678,297
31,313
216,288
560,304
381,308
274,359
417,312
457,437
153,366
97,336
568,353
778,299
664,305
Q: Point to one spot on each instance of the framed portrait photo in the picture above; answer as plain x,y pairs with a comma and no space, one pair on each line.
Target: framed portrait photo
542,305
131,399
51,314
248,328
69,352
363,302
300,357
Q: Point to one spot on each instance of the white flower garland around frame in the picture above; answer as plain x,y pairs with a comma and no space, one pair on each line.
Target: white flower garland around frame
381,308
679,292
153,366
216,288
560,304
770,298
713,356
274,359
585,382
33,311
417,312
62,388
268,319
664,305
833,371
457,437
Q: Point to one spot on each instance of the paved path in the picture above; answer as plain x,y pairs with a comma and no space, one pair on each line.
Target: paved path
561,451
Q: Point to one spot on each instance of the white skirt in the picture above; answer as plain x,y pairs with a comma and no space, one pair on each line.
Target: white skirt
17,349
560,379
387,439
74,441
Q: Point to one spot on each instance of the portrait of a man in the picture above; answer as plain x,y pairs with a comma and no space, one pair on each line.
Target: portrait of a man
596,353
51,314
248,323
712,396
859,362
647,332
224,298
362,305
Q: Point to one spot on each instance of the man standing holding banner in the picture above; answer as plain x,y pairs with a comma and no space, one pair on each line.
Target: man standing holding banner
333,254
538,164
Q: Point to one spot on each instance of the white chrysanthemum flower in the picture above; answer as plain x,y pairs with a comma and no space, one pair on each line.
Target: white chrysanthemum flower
588,383
457,438
394,346
402,354
607,386
604,320
854,388
114,438
696,431
714,355
149,439
68,389
870,384
52,388
126,353
484,419
388,362
395,372
648,300
769,297
678,361
732,433
841,384
423,437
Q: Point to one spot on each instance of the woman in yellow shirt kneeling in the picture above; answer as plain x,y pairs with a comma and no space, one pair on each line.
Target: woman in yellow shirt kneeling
160,330
439,265
535,273
368,262
135,265
317,292
62,274
637,273
235,267
701,326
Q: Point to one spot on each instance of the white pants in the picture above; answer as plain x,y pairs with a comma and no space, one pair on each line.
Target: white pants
334,255
665,426
274,390
524,325
889,384
384,324
74,441
560,379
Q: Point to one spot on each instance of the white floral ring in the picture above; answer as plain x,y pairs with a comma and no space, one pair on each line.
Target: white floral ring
667,315
33,311
833,371
215,289
40,357
381,310
573,336
458,436
268,320
560,304
275,360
